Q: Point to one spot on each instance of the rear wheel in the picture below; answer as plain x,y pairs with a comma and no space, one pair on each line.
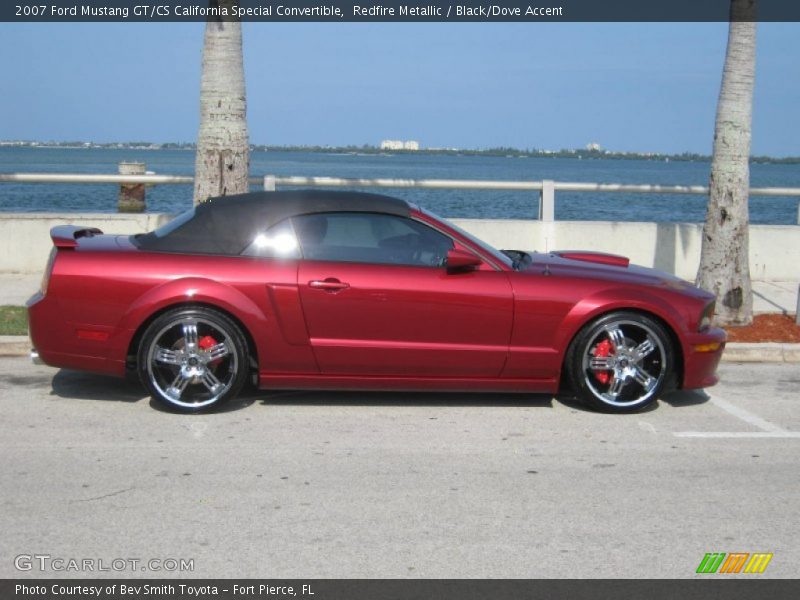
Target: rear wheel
193,359
620,362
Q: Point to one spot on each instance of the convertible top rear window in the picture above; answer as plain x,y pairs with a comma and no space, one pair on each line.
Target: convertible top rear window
168,228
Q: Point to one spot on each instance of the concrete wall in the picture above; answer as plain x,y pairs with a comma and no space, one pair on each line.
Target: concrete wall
25,237
675,248
671,247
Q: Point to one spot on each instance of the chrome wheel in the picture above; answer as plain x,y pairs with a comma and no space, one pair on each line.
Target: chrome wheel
621,362
192,359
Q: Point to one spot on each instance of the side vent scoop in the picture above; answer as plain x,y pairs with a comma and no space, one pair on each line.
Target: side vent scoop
595,257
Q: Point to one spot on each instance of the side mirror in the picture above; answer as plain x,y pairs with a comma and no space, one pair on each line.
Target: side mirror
461,260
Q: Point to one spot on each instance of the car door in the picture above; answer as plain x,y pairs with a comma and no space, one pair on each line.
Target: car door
378,300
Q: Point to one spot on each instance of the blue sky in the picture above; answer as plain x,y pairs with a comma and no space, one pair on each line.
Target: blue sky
634,87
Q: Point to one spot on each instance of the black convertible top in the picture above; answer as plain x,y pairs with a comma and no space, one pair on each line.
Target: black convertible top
228,224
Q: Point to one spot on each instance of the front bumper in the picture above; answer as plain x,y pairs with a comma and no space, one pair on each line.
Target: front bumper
701,355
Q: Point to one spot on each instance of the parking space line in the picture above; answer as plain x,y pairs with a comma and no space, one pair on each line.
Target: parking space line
649,427
738,434
768,429
744,415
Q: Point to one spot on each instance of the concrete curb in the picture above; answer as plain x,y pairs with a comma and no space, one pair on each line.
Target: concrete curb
20,345
14,345
763,352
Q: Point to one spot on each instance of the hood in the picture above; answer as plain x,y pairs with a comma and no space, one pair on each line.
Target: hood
600,258
599,265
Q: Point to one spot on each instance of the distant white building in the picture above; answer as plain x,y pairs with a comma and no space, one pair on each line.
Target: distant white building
391,145
593,146
399,145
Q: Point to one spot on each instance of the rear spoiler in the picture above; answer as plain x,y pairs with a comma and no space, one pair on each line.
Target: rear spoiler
67,236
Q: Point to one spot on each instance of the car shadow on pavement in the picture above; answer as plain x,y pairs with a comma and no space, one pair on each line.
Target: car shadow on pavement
359,398
675,399
243,400
681,398
78,385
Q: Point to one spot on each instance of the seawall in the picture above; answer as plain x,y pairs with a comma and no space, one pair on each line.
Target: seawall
672,247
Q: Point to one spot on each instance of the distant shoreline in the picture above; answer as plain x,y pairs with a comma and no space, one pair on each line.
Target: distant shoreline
578,154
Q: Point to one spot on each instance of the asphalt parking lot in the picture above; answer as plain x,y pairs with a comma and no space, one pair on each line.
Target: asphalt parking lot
301,485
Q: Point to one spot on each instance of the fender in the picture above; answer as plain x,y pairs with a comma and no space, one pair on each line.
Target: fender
617,298
200,290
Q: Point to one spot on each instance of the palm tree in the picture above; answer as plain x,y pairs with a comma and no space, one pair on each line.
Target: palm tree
223,160
725,257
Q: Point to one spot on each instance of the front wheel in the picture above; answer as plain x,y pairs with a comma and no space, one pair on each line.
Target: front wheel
620,362
193,359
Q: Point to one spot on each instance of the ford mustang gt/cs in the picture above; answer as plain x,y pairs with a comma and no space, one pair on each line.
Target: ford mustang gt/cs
343,290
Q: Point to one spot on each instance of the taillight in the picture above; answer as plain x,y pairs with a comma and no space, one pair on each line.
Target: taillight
48,269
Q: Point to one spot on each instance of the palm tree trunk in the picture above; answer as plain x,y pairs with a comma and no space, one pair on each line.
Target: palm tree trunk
222,163
725,257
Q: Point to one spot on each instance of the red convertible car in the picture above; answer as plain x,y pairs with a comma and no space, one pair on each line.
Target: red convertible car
343,290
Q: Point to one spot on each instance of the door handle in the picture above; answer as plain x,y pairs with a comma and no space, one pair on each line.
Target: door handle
331,284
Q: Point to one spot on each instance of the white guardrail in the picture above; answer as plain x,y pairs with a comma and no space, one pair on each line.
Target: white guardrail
546,188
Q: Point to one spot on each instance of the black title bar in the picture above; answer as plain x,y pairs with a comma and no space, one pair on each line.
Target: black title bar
547,11
394,589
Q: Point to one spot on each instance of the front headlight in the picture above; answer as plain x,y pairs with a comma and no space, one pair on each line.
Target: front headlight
707,318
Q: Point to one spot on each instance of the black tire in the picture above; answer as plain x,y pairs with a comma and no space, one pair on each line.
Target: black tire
620,362
193,359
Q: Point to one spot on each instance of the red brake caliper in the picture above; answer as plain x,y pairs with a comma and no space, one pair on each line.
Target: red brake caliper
603,349
206,343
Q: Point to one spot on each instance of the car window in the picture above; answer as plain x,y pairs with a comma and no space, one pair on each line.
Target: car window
172,225
370,238
494,252
279,241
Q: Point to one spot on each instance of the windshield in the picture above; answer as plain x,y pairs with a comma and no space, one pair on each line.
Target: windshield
493,252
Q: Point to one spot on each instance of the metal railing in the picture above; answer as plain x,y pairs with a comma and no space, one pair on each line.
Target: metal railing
546,188
147,179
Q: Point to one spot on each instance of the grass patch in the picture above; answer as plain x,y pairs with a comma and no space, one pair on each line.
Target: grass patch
13,320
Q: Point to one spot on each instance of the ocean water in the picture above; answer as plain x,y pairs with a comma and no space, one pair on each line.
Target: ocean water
449,203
